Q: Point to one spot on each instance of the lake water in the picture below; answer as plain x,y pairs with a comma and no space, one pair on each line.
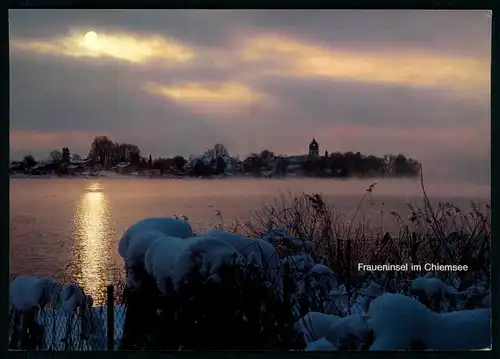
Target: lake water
69,228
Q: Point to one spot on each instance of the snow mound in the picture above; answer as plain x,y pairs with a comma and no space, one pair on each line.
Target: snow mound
170,227
135,255
254,250
175,259
315,325
323,276
138,247
321,344
346,330
398,322
321,270
465,329
341,331
72,297
371,291
301,262
432,287
27,292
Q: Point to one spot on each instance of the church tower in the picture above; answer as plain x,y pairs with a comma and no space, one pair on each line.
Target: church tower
314,148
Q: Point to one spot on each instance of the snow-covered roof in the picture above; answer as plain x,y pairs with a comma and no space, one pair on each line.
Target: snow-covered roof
80,162
123,164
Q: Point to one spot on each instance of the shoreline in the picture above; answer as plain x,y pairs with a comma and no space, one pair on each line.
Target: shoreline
113,175
408,188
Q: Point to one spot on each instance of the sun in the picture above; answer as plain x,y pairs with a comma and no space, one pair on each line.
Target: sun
91,39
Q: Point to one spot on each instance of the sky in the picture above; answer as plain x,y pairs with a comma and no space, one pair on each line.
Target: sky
175,82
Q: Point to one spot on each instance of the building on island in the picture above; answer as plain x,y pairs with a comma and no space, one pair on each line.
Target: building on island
314,149
268,165
295,163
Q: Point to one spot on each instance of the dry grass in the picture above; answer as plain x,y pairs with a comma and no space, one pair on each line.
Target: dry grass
442,234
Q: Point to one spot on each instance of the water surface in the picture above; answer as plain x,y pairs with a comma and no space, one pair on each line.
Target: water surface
69,228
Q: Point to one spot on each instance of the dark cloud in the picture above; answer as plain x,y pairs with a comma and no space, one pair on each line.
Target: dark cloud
325,102
208,28
464,32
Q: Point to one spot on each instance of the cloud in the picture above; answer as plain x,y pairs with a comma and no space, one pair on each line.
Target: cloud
219,101
447,31
37,142
412,68
124,46
65,97
196,92
320,101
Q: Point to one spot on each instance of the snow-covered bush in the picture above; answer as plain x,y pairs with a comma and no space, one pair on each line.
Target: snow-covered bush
256,251
141,287
350,332
27,295
238,312
46,315
30,292
170,227
400,322
137,239
213,285
173,262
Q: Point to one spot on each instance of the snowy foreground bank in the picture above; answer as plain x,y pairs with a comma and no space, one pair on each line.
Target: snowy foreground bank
183,287
45,315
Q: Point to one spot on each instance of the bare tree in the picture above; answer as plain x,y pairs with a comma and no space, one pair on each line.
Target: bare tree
55,155
218,150
29,161
100,149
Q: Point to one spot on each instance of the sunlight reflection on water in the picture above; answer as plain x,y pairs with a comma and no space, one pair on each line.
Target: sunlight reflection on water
91,232
69,229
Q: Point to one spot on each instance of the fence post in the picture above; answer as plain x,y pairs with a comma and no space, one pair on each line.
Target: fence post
110,317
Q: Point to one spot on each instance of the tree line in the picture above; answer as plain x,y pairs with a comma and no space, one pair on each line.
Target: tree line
107,154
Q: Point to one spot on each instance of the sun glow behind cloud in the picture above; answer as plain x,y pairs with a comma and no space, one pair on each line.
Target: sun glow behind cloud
121,46
399,67
222,100
227,92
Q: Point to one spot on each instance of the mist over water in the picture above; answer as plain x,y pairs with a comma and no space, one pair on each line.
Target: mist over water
465,170
70,228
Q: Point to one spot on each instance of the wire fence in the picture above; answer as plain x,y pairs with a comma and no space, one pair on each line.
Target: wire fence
67,320
61,322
